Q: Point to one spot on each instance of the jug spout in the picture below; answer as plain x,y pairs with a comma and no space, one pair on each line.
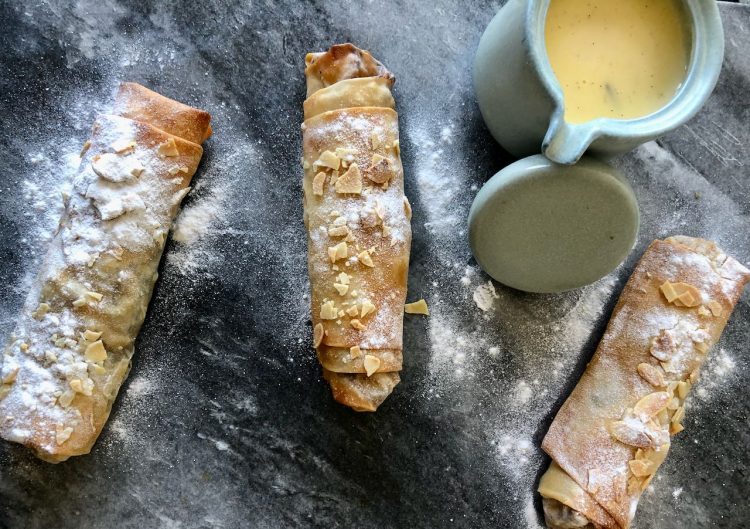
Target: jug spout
565,143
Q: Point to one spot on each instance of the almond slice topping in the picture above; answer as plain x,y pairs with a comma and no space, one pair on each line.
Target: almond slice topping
663,346
350,182
627,434
119,146
62,433
342,289
318,335
641,467
652,374
715,308
681,294
328,311
319,183
365,258
357,325
651,405
328,159
355,351
95,352
407,208
367,308
372,364
343,278
340,251
417,307
169,148
353,311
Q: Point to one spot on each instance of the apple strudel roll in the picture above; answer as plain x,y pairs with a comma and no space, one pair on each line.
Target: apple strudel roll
72,344
610,436
358,222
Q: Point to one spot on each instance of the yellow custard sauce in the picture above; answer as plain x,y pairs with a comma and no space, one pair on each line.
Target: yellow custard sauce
620,59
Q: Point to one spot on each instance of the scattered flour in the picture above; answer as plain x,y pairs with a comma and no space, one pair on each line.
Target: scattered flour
485,295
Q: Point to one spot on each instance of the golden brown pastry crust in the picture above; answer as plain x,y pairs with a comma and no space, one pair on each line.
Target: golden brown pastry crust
73,342
350,123
612,433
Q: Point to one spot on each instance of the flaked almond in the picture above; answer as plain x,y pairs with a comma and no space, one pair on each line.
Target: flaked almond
338,231
328,159
350,182
62,433
355,351
328,311
417,307
40,311
340,251
675,428
673,403
367,308
94,295
365,258
682,389
375,140
652,374
651,404
703,311
91,336
397,147
357,325
681,294
76,385
343,278
716,308
66,398
169,148
10,376
341,289
626,433
318,184
678,415
380,169
663,346
95,352
372,364
119,146
641,467
353,311
702,347
318,335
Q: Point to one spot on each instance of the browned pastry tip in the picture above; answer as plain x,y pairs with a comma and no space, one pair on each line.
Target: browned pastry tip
340,62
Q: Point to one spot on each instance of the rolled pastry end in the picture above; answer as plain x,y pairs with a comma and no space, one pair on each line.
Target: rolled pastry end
567,505
360,392
557,515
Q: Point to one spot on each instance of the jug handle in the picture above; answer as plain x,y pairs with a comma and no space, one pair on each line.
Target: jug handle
566,143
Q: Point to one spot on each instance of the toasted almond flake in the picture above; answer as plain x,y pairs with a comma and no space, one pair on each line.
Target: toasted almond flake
675,428
630,436
715,308
318,335
417,307
345,154
40,311
663,417
85,148
62,433
342,289
10,376
702,347
641,467
169,148
328,159
367,308
357,325
340,251
376,159
397,147
673,404
652,374
97,370
350,182
94,295
76,385
365,259
120,146
703,311
50,356
682,389
353,311
634,485
91,336
375,140
681,294
95,352
386,231
679,414
343,278
319,183
328,311
372,364
355,351
651,404
66,398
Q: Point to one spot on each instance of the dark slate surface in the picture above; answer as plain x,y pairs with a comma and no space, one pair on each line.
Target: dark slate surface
225,421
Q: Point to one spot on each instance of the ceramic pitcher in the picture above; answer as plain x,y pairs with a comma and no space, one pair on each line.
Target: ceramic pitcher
522,102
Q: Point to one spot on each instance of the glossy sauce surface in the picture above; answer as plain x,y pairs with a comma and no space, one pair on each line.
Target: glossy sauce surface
620,59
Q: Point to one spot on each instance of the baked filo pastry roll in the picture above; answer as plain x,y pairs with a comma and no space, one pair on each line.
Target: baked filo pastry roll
610,436
72,344
358,222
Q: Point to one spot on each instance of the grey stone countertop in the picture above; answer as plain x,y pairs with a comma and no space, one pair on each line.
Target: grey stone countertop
225,421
